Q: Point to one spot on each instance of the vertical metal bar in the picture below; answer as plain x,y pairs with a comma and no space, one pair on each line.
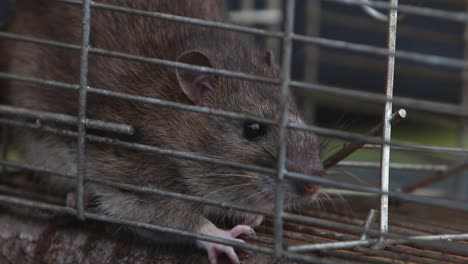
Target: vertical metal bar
387,116
82,109
312,59
461,181
283,122
5,145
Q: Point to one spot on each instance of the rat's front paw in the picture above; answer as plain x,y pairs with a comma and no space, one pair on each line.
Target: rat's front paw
214,249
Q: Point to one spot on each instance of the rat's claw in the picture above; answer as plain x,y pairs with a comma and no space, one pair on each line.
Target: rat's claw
214,249
240,230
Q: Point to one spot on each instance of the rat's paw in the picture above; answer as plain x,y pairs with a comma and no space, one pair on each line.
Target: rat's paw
214,250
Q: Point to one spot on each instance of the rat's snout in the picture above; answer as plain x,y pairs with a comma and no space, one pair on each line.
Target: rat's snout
313,168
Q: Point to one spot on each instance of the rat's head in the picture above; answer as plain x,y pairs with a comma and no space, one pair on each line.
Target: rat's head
244,141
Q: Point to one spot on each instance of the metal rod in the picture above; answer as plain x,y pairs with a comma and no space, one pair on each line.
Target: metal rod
331,245
350,148
413,56
371,97
387,117
369,222
425,149
411,103
309,220
283,124
66,119
263,170
130,57
394,166
181,19
377,15
108,219
409,9
314,129
82,110
352,22
356,243
138,189
429,106
100,217
438,176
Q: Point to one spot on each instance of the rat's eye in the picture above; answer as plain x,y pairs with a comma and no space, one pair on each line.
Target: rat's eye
253,129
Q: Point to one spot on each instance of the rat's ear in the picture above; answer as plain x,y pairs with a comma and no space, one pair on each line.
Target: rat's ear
196,85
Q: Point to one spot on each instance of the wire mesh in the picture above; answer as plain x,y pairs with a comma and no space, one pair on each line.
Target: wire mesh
356,239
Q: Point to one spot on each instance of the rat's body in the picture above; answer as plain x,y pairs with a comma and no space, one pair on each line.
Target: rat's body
163,127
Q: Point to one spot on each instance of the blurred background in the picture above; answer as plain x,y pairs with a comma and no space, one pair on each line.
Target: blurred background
365,72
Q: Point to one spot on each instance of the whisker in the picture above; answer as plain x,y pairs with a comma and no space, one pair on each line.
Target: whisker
357,178
225,175
255,194
230,175
268,152
226,188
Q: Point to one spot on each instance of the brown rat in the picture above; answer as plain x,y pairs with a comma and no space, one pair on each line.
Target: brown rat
234,140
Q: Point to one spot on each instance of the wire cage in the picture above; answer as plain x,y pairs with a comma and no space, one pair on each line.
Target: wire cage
414,227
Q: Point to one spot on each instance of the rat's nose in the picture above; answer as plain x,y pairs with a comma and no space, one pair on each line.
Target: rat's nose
311,188
304,187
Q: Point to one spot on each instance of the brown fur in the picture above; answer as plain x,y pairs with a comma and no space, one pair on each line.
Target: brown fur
159,126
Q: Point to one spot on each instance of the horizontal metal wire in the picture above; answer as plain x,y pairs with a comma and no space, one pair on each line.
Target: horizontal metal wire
426,149
412,56
429,106
409,9
189,198
441,250
410,103
314,129
184,197
104,218
333,245
181,19
138,189
350,148
395,166
166,63
435,60
135,98
356,243
66,119
254,168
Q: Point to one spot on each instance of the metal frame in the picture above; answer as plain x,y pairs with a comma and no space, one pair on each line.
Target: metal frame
369,237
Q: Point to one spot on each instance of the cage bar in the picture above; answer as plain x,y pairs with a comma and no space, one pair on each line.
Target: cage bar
283,123
425,105
82,110
349,244
65,119
387,116
267,171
